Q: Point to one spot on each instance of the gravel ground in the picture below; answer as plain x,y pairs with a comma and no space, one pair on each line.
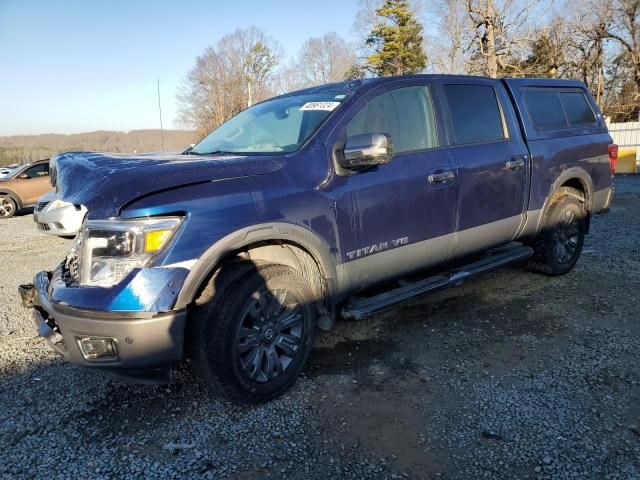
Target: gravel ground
513,375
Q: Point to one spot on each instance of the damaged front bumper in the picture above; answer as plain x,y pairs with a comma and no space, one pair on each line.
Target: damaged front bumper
141,346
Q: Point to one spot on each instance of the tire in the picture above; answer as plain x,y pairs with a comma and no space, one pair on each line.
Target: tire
252,332
558,247
8,206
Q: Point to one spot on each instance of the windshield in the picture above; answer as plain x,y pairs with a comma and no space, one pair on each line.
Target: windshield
276,126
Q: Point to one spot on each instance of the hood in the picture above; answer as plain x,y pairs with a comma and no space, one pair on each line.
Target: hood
105,182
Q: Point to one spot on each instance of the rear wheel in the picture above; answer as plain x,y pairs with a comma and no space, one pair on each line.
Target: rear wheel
253,332
558,247
7,207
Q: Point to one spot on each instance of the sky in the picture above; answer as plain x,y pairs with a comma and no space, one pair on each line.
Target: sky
71,66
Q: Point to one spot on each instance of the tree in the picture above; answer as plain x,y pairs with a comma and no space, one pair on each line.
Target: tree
501,33
258,64
226,78
289,78
449,41
547,53
325,59
620,22
320,60
396,41
488,24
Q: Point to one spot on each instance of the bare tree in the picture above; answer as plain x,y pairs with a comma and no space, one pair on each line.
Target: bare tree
228,77
502,33
620,22
320,60
583,55
289,77
450,42
325,59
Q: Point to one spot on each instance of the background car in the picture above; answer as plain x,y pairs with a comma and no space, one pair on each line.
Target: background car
22,188
9,169
57,217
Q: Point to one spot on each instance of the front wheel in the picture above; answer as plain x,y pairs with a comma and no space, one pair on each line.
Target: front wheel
7,207
253,331
558,247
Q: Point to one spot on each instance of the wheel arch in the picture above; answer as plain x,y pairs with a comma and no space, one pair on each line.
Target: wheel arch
288,244
13,196
576,178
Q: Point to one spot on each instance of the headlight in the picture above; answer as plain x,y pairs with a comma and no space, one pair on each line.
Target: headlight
110,249
57,203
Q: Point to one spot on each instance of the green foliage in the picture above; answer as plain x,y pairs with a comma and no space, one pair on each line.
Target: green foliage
544,60
354,72
396,41
259,62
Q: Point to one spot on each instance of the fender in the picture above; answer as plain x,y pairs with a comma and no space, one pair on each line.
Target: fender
273,231
573,173
13,196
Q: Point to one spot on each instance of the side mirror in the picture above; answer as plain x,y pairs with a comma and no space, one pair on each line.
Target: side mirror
367,150
23,175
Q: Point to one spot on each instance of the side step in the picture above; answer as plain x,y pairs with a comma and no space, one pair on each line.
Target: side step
362,308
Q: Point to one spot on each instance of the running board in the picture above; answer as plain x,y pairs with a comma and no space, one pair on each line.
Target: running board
362,308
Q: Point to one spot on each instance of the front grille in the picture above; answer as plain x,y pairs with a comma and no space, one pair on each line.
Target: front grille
43,227
71,266
40,206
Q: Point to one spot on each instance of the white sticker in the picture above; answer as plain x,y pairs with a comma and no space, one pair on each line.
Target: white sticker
326,106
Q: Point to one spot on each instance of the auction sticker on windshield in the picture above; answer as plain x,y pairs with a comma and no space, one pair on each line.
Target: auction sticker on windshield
327,106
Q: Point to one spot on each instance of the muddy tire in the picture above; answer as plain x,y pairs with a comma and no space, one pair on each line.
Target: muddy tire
8,206
252,332
558,246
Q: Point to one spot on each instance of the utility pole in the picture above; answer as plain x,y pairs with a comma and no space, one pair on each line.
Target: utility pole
160,111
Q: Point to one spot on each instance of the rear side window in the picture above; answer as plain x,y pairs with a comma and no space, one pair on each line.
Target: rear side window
556,109
405,113
577,108
545,108
475,114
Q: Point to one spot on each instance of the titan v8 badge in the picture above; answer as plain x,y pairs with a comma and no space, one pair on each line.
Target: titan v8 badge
378,247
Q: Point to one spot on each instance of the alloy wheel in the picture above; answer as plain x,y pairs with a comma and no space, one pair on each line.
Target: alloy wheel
7,207
566,237
270,334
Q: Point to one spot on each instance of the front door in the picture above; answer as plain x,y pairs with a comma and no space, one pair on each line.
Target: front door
395,218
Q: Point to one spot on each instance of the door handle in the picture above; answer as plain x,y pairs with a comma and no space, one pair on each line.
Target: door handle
515,164
440,177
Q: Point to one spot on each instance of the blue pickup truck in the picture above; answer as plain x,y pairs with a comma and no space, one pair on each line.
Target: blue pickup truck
335,201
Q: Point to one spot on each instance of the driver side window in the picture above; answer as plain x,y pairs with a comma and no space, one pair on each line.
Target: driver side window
41,170
405,113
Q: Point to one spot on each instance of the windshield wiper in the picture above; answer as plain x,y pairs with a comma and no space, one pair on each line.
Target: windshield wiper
214,152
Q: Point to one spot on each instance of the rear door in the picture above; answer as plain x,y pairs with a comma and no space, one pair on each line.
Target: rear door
492,159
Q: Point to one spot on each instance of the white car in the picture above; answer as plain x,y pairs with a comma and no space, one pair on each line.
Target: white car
57,217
